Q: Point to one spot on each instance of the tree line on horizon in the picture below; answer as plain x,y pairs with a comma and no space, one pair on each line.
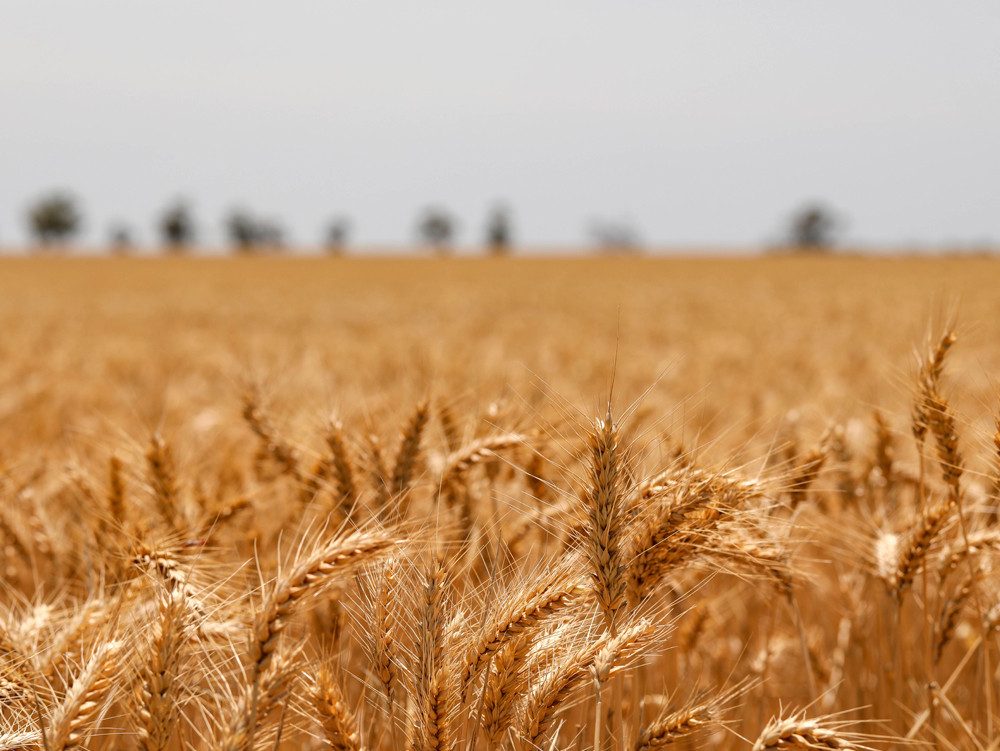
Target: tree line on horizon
55,219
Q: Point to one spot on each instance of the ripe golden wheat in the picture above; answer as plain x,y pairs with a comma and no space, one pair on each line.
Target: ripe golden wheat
485,578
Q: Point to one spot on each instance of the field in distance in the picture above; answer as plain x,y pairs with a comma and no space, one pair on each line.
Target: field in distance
724,346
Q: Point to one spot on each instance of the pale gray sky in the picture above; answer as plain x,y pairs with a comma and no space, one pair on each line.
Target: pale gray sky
697,121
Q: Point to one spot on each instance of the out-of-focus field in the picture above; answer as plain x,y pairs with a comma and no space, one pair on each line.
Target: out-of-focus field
725,347
276,503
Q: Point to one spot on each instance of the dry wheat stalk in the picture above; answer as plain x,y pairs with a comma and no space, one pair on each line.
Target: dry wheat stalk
435,688
157,697
606,521
885,451
991,619
929,379
506,681
116,492
14,681
314,480
449,426
271,444
916,546
162,478
339,724
676,524
17,740
72,720
932,412
409,451
68,643
316,569
379,476
978,542
222,515
671,727
342,465
12,538
527,606
619,649
459,462
596,659
803,475
800,732
553,687
383,648
993,514
258,699
950,611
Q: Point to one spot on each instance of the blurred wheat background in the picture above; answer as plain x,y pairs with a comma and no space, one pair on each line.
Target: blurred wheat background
728,346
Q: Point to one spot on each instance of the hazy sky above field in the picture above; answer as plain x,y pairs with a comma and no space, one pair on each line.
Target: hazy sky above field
696,122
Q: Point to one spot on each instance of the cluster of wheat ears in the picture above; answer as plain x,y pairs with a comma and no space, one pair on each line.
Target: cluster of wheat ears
479,587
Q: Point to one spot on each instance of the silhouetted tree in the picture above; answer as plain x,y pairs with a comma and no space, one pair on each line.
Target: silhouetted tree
436,228
177,227
54,219
336,235
120,239
499,233
615,237
249,234
813,227
270,234
242,230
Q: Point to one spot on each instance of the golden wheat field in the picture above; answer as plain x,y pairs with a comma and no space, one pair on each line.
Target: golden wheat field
615,503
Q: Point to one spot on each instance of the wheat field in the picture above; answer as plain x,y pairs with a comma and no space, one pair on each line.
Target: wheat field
607,503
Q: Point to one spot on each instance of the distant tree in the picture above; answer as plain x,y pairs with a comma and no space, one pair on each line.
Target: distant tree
813,227
499,233
614,237
54,219
337,233
120,239
177,227
270,234
249,234
437,229
242,229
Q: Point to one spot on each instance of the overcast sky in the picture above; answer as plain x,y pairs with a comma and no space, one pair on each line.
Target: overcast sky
697,122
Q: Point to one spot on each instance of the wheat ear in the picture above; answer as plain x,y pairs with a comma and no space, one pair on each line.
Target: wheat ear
435,689
74,718
597,659
449,426
271,444
799,732
672,727
337,719
383,647
409,449
158,692
323,565
917,545
160,460
116,491
257,700
950,612
342,465
605,506
523,612
507,680
14,681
